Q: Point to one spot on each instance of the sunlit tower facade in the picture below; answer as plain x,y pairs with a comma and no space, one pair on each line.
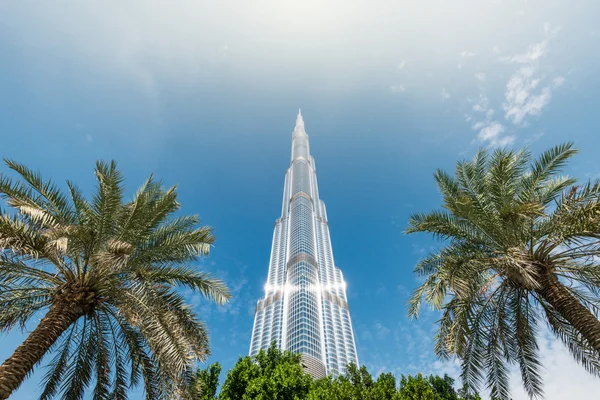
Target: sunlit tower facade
304,309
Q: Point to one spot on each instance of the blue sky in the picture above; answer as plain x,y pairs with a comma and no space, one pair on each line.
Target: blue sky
204,95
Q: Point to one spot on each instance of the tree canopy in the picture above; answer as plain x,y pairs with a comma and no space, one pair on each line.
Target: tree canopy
276,374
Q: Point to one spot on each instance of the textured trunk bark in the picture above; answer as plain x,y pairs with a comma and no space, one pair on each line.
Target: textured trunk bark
14,370
570,308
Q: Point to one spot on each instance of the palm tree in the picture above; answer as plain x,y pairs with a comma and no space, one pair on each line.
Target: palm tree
105,274
521,247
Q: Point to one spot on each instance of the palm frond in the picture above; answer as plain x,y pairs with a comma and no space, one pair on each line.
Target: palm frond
118,264
54,200
57,367
79,372
513,230
186,276
525,321
547,165
106,202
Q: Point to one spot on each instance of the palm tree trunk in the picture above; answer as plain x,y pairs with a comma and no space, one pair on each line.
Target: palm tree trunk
14,370
571,309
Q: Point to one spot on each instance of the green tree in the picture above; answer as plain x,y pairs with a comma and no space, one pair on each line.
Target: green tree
275,374
417,388
385,388
361,380
520,246
357,384
329,388
322,389
444,387
270,375
205,382
104,272
238,379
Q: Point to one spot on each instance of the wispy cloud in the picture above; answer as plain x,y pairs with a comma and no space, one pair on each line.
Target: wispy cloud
398,88
526,93
492,134
534,53
463,56
522,99
482,105
490,131
444,94
239,297
558,81
381,331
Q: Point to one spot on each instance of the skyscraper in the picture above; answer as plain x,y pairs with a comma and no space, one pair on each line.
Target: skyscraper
304,308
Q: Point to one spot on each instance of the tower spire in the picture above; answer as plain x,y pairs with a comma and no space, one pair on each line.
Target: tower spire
299,119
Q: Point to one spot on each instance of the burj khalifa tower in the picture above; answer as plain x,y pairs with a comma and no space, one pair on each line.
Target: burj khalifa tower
304,309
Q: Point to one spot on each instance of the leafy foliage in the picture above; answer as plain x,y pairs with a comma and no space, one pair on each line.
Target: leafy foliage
520,246
205,383
278,375
270,375
113,265
418,388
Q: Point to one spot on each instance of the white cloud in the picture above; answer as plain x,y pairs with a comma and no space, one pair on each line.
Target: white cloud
466,54
558,81
492,133
381,331
444,94
397,88
550,30
521,101
525,95
563,378
479,125
482,104
89,138
534,53
401,64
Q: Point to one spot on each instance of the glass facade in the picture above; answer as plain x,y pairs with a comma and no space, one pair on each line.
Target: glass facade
305,309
